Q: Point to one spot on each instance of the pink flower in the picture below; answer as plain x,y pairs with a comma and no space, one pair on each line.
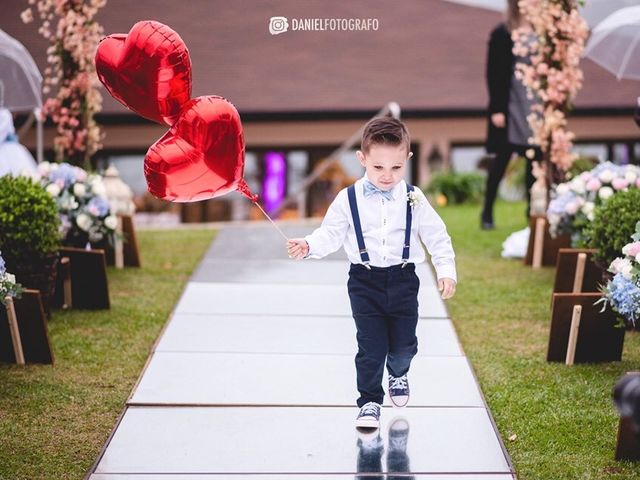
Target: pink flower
631,249
571,208
619,183
593,185
27,16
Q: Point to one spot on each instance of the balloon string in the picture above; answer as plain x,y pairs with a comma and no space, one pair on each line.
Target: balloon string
272,222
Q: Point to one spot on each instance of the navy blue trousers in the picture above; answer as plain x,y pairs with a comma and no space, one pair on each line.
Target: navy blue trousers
384,303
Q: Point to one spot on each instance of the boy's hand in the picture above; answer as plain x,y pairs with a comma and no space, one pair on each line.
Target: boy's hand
297,248
447,286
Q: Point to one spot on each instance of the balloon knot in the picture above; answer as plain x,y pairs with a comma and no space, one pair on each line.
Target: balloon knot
243,188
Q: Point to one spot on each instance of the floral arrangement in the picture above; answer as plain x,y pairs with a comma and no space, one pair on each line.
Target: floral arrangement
554,76
82,204
415,198
73,38
8,285
622,292
573,203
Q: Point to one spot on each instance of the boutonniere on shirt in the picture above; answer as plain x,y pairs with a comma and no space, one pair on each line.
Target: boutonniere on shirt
414,198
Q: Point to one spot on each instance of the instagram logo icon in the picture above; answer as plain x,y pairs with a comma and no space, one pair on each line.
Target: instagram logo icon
278,25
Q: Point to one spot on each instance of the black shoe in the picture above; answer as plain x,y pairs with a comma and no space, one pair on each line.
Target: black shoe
369,415
486,225
399,390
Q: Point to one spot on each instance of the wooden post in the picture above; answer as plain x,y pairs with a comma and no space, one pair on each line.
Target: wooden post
578,278
573,334
538,245
67,301
15,331
119,247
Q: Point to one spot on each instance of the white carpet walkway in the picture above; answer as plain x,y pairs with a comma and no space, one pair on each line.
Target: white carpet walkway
254,377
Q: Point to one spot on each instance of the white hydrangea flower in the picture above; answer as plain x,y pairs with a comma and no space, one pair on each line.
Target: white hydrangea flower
605,192
630,175
83,221
606,176
588,209
562,189
44,168
621,265
69,203
111,222
53,189
79,190
98,187
577,185
10,277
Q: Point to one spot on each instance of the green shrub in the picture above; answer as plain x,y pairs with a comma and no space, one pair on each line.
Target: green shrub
613,224
582,164
29,220
457,187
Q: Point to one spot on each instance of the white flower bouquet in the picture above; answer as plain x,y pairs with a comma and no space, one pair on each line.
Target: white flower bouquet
8,285
81,198
573,203
415,198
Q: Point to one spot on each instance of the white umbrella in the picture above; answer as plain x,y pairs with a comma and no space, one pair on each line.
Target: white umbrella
20,82
497,5
593,11
19,75
615,43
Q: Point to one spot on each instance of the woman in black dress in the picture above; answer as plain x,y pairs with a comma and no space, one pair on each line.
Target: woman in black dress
508,128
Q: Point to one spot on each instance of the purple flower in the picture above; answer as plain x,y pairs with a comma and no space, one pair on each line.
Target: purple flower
624,297
559,204
64,175
98,206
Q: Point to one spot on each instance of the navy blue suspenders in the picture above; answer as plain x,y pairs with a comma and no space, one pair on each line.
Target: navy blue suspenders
364,255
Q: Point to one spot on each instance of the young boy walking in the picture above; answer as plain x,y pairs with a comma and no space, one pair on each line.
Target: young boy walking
380,221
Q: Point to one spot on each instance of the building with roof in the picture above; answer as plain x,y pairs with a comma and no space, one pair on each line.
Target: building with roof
302,93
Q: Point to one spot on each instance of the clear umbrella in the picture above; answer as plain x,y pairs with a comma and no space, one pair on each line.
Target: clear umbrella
615,43
19,75
593,11
20,82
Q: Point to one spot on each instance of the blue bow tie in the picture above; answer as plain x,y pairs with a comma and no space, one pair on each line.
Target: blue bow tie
370,189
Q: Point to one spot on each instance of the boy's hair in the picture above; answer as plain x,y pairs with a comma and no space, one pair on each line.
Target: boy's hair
385,131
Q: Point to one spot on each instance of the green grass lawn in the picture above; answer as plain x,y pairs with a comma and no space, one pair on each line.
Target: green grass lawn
55,420
563,417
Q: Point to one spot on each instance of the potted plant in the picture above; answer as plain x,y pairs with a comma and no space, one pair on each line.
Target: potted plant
29,234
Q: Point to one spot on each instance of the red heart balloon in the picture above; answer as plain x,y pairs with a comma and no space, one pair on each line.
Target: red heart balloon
148,70
201,156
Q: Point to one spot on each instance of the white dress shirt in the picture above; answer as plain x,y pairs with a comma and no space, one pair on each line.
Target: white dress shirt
383,228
